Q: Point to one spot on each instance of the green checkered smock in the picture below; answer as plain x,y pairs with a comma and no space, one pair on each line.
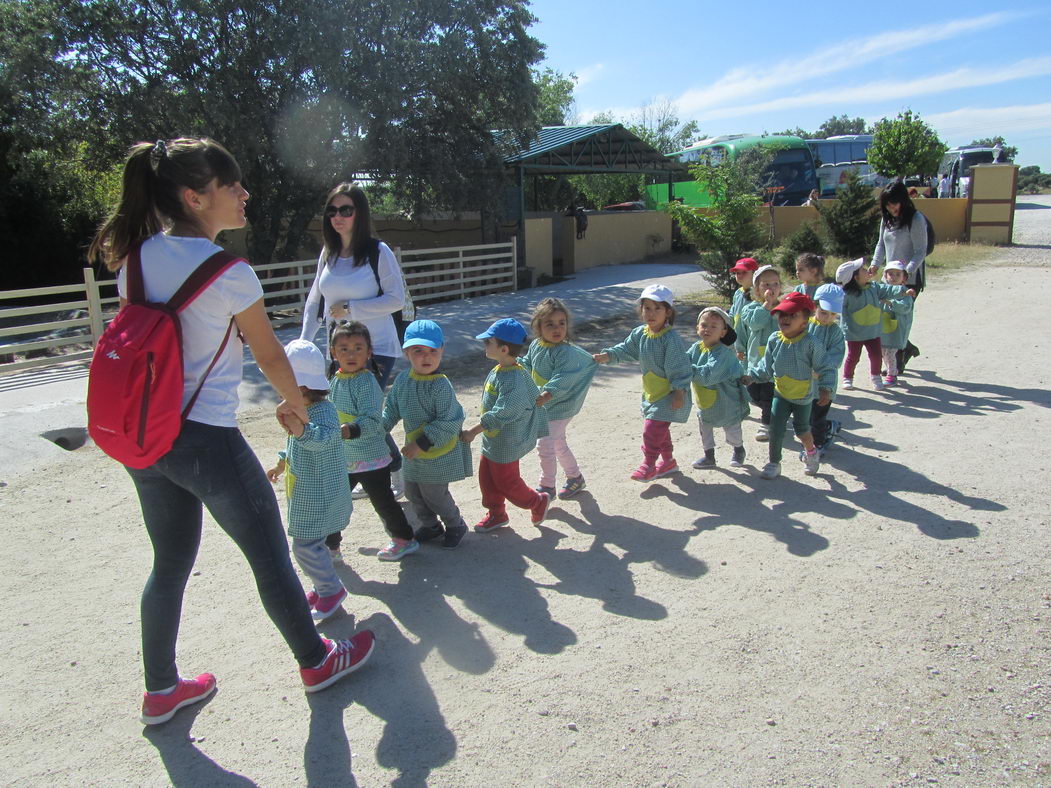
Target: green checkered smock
720,398
359,400
807,290
862,312
897,321
742,298
511,419
319,501
432,417
565,370
756,325
665,368
793,365
831,338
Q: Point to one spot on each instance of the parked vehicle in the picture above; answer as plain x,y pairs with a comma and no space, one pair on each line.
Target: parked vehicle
957,163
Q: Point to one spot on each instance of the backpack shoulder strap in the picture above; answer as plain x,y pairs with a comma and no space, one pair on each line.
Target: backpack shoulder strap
374,261
206,273
136,289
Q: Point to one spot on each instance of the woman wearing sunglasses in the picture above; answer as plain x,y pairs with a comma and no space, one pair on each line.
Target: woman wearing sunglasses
348,289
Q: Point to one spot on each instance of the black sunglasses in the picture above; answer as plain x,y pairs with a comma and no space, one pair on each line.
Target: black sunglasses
346,211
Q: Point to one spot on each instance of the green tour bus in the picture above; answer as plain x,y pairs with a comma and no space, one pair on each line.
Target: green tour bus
790,176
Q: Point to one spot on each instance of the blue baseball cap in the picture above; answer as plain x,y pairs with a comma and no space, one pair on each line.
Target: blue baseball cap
423,332
830,298
506,330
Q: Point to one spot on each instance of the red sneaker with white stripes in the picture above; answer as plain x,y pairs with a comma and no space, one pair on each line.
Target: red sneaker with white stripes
343,657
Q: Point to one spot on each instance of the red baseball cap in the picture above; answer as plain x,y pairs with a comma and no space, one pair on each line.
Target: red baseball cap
795,302
745,264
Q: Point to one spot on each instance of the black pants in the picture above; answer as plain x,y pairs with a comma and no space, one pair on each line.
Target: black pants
819,421
762,394
377,485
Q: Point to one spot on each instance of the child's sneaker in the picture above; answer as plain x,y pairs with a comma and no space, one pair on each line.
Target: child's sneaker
397,485
550,491
811,461
454,535
644,473
890,380
343,657
539,512
325,606
771,470
358,493
427,532
572,487
763,433
738,458
397,549
848,384
666,467
491,523
158,707
312,599
877,382
707,461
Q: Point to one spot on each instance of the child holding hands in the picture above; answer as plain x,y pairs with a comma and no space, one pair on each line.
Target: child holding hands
744,272
825,328
897,322
510,424
319,502
720,398
424,400
563,371
666,376
757,324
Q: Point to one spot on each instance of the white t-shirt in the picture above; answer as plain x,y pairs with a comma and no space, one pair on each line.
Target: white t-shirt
341,281
167,260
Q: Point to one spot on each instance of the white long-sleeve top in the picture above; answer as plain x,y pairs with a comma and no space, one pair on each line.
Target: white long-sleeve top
342,282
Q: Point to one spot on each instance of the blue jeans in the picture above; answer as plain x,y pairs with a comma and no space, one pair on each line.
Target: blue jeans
214,466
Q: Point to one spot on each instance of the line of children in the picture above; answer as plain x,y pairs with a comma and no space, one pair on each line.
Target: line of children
666,377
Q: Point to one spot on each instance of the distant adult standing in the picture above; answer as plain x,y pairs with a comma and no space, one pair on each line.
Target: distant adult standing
177,195
944,186
902,237
346,288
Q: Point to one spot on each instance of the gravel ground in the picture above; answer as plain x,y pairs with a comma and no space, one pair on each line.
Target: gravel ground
883,623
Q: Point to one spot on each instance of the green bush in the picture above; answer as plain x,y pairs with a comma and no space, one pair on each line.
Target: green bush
852,222
804,239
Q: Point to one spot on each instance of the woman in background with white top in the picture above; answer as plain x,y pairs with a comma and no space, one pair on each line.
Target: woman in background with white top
348,289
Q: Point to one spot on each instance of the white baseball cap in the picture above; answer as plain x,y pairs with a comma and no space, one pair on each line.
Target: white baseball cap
846,271
308,364
896,265
657,293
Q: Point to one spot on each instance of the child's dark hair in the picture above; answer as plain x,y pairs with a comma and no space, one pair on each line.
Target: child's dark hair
349,328
513,348
155,175
852,286
314,395
671,310
814,262
546,308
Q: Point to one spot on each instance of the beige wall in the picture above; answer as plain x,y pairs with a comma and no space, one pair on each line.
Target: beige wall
623,237
538,246
949,218
992,203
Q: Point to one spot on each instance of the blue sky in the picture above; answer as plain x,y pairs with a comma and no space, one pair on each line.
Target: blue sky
969,69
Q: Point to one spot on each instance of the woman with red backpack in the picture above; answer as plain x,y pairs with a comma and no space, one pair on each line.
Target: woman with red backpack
177,196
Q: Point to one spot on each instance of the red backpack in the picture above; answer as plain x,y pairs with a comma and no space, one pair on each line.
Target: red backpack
135,384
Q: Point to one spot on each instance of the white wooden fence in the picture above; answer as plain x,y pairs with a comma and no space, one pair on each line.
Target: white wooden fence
69,328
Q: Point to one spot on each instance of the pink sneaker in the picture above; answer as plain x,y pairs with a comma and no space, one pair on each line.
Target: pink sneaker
890,380
157,708
325,606
539,511
343,657
666,468
644,473
491,522
312,599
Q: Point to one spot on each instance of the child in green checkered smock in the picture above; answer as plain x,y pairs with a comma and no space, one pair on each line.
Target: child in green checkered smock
754,328
319,500
666,376
434,456
718,394
792,362
824,327
359,400
897,321
743,271
510,424
564,372
810,271
863,318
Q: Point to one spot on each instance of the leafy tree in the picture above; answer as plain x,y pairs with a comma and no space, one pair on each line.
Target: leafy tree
729,227
554,96
905,146
835,126
1032,181
796,132
1010,152
852,221
407,91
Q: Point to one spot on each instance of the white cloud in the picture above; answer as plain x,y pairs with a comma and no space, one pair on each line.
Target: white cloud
897,90
748,81
589,73
977,122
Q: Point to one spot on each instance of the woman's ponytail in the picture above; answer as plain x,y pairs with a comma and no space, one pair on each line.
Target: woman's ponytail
135,218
